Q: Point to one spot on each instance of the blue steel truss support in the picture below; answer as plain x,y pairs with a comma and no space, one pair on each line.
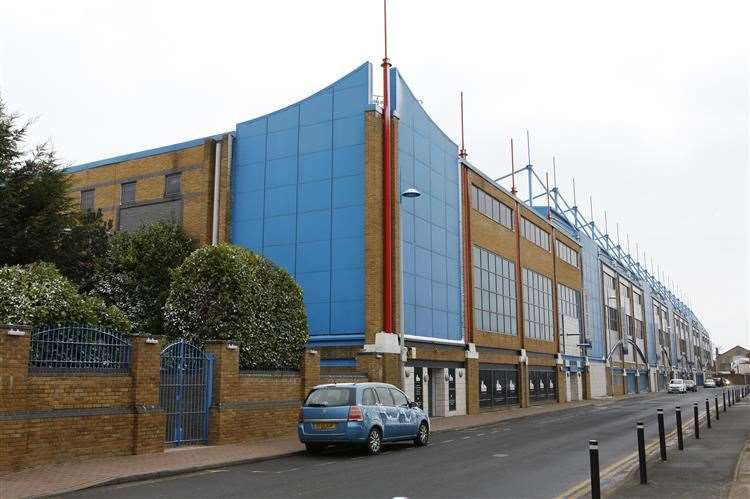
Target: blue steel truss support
614,252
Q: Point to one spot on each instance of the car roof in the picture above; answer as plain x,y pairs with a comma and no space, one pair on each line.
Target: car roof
354,385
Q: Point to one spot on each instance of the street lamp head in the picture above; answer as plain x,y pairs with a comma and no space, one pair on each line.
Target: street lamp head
411,192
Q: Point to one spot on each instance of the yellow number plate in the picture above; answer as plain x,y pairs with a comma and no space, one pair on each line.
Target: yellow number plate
324,426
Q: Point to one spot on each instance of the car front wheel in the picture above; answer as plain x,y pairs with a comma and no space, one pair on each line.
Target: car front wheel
374,442
423,435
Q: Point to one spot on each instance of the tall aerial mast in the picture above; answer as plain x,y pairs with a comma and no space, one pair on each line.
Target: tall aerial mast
387,186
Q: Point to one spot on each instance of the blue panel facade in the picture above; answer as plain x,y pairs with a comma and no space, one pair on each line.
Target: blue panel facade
430,224
592,292
298,199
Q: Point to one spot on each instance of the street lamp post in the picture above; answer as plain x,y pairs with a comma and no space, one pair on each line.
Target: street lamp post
410,193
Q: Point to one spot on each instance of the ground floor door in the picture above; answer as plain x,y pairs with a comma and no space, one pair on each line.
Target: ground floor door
432,378
631,382
498,386
542,385
575,386
661,380
643,382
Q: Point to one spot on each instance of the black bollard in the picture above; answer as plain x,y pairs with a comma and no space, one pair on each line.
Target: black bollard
596,492
695,420
708,414
724,400
641,452
716,404
678,414
662,441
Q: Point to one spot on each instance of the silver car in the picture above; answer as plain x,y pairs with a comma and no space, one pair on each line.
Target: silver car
676,385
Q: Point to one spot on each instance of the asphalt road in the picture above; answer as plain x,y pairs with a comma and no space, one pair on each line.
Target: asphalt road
538,456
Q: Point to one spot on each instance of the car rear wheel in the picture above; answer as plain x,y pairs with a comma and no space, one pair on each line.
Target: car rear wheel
423,435
374,442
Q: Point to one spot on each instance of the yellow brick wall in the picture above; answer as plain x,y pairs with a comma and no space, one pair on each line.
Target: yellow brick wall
197,167
502,241
61,418
374,226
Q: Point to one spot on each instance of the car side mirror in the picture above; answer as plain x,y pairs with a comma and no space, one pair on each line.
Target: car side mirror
412,405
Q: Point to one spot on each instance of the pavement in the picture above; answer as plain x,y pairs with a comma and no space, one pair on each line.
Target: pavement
715,466
64,478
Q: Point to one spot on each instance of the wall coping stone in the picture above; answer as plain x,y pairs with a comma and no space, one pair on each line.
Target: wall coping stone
22,327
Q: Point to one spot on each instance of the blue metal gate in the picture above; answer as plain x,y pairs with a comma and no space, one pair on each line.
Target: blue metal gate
186,381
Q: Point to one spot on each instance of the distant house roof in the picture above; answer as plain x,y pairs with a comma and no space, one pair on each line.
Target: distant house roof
735,351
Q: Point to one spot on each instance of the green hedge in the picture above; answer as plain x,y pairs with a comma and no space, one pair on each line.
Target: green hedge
226,292
38,295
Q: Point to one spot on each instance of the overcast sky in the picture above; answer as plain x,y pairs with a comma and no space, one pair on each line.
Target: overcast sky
646,104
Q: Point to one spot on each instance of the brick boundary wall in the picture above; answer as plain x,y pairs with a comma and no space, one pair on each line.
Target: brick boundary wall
62,417
255,405
49,418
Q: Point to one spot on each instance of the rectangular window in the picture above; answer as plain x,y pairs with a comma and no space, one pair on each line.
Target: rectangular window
639,333
172,183
537,300
127,193
567,254
613,322
331,396
569,305
87,200
494,292
569,301
532,232
491,207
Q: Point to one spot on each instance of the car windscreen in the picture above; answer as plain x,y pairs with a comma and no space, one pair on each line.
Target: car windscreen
676,381
333,396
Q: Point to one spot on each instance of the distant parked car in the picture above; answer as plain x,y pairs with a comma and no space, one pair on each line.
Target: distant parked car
719,381
690,385
709,383
676,385
360,413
